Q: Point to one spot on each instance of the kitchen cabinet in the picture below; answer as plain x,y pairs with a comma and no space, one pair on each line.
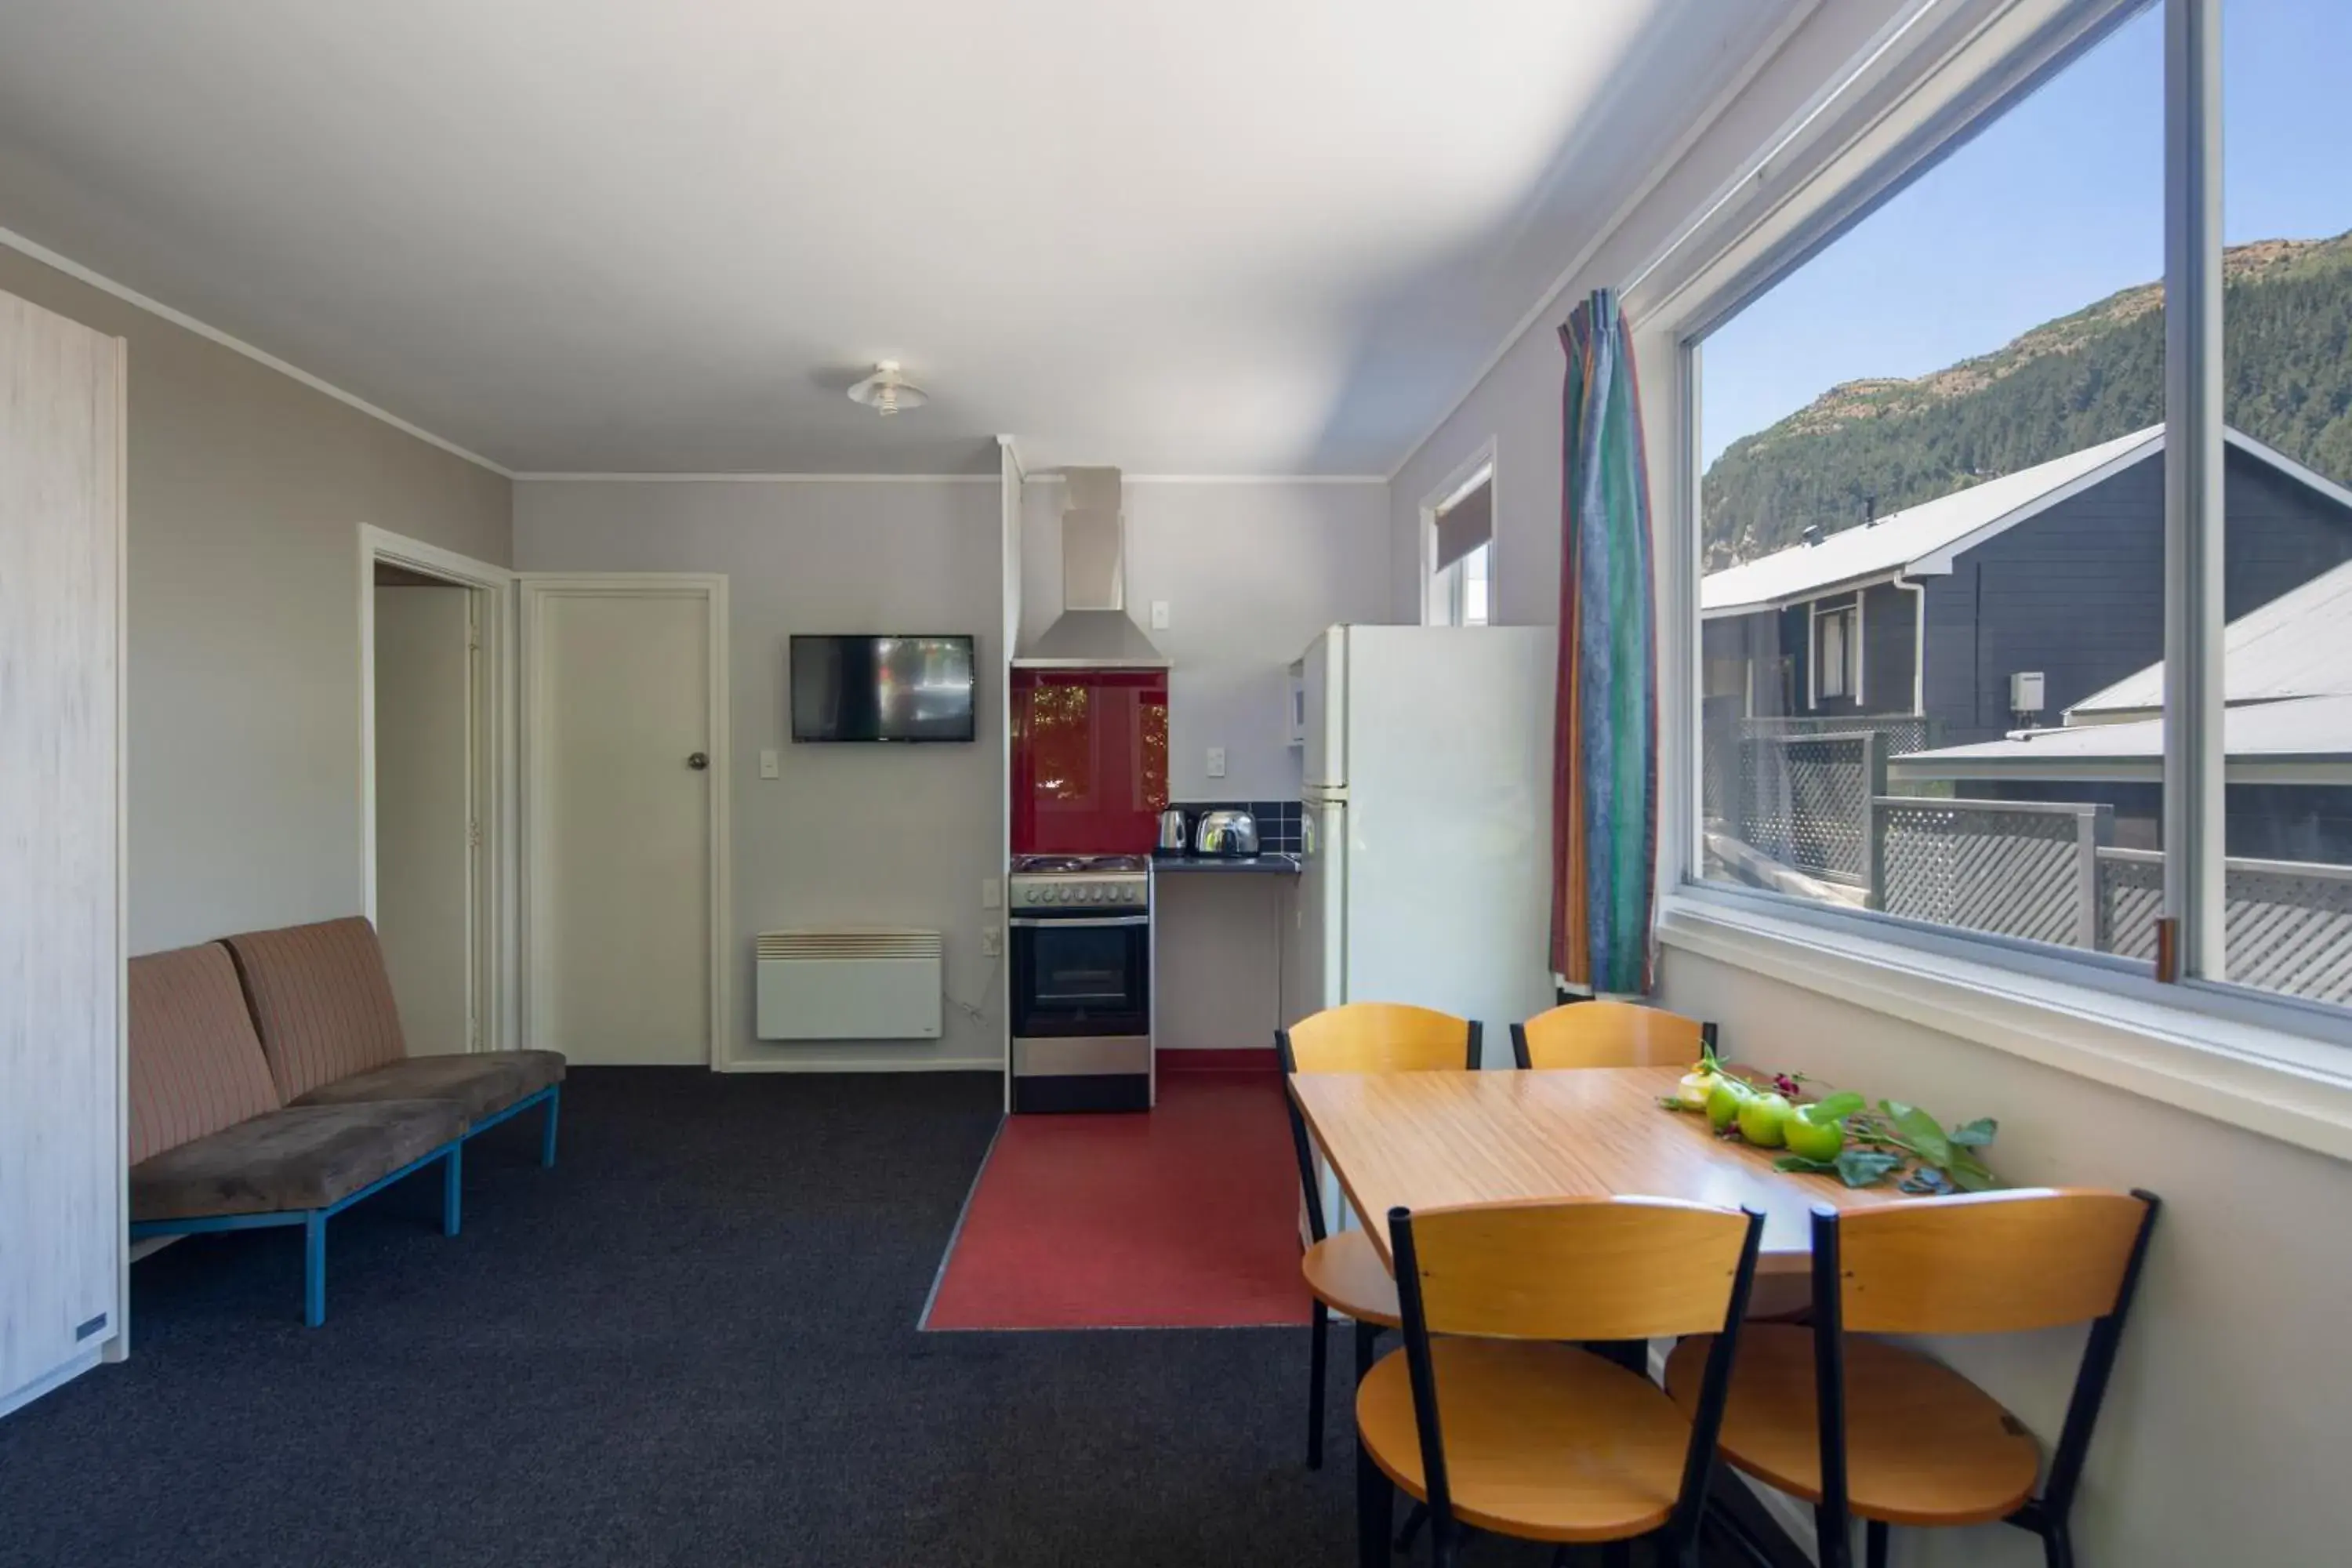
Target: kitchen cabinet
1219,958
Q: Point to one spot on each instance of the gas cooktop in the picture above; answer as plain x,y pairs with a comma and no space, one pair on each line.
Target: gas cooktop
1064,865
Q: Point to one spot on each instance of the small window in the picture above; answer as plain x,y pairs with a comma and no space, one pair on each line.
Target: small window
1836,652
1462,554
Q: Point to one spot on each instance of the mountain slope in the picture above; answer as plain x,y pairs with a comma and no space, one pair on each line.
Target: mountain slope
2066,385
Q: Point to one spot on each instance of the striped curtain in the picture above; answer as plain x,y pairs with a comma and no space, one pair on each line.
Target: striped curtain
1605,714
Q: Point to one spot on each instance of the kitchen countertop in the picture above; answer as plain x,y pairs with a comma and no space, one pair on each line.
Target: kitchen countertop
1276,864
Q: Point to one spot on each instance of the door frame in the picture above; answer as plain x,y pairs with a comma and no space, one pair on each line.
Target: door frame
535,588
498,947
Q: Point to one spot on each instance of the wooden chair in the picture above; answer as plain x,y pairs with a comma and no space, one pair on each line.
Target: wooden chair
1503,1425
1915,1442
1609,1035
1343,1269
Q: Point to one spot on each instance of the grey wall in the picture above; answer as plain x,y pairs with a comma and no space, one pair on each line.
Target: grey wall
1251,572
2232,1388
892,834
246,490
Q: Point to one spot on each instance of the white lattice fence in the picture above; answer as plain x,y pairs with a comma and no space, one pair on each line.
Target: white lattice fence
2012,868
1805,800
2287,923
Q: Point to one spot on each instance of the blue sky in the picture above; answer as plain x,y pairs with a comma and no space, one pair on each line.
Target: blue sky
2057,204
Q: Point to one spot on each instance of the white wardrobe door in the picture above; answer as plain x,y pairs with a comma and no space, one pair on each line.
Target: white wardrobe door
61,1142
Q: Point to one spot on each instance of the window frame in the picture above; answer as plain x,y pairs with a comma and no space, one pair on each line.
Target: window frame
1862,157
1442,589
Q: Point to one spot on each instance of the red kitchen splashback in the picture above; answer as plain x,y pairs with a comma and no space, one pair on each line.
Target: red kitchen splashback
1089,760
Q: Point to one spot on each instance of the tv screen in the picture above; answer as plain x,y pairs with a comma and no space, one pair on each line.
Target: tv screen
882,688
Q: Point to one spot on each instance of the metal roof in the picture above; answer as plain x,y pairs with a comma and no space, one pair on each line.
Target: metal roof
2297,728
2298,644
1918,539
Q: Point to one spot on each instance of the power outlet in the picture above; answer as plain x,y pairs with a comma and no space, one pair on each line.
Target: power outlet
768,764
991,943
1216,762
1158,615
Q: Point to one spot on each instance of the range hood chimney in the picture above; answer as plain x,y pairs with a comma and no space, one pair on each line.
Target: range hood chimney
1094,631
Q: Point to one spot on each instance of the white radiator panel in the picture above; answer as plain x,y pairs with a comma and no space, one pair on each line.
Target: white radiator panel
854,983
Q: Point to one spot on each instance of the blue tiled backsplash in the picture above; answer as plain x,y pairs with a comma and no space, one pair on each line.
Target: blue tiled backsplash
1278,821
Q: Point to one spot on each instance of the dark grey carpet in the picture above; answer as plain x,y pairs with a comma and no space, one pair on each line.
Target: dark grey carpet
693,1342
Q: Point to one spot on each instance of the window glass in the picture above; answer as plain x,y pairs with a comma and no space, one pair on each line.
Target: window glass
1460,555
1932,516
2286,676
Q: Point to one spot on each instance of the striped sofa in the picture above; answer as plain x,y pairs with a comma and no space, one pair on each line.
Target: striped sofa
269,1085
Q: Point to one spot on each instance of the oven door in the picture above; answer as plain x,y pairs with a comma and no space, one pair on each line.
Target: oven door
1081,975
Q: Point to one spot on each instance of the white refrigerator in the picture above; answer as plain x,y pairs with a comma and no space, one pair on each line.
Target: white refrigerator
1428,823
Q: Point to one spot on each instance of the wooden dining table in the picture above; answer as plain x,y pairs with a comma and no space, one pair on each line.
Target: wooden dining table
1423,1140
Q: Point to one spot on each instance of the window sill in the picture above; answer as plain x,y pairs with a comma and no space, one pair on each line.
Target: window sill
2284,1085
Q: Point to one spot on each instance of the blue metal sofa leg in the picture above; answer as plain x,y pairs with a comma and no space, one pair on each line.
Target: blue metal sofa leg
314,1268
453,1170
547,1135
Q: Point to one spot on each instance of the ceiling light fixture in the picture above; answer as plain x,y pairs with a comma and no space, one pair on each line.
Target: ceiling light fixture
886,391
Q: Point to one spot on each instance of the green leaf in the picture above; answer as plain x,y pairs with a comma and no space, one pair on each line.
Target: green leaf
1919,1132
1860,1167
1836,1108
1976,1134
1970,1174
1812,1167
1928,1182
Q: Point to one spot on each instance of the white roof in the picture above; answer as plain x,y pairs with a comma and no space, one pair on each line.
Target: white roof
1920,538
2298,644
2293,728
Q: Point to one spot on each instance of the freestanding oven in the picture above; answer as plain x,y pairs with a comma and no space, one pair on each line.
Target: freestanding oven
1081,982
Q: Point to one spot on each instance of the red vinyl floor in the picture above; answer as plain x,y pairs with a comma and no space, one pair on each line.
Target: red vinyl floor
1184,1217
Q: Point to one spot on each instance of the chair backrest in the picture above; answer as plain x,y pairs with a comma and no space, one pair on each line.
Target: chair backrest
323,1001
1986,1263
1368,1037
1380,1036
1576,1269
195,1063
1571,1268
1983,1263
1601,1034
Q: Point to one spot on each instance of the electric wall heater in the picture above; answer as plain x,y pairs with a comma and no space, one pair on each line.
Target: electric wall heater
855,983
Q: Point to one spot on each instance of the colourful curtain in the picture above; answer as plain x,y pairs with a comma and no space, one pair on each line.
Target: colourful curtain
1605,714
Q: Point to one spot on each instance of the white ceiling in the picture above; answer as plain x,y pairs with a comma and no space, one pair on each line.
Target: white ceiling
1215,236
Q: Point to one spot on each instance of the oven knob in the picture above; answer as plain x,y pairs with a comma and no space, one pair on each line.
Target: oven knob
1054,894
1095,894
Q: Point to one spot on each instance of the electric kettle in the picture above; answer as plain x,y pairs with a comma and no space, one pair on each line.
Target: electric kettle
1172,829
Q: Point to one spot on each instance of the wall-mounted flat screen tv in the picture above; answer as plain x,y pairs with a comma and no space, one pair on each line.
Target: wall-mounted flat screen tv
868,688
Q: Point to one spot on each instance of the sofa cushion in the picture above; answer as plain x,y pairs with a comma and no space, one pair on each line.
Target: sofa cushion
303,1157
195,1064
323,1001
481,1085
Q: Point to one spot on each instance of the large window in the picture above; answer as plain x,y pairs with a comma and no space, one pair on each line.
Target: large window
2001,630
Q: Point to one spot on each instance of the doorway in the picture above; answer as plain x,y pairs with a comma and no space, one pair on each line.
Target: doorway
624,811
437,728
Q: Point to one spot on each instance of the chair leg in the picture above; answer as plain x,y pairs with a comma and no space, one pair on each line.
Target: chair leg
314,1269
1375,1511
1368,1338
547,1134
1318,1347
1617,1554
1833,1540
453,1186
2058,1545
1873,1543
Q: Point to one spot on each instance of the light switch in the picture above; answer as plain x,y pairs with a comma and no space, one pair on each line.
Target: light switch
768,764
1158,615
1216,762
991,893
991,942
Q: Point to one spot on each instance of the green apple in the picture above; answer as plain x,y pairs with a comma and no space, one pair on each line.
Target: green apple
1821,1139
1723,1103
1764,1121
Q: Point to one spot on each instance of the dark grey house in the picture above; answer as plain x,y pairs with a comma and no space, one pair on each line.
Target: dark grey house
2002,606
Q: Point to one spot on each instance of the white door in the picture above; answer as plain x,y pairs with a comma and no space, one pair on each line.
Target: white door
1321,917
61,1090
618,779
424,893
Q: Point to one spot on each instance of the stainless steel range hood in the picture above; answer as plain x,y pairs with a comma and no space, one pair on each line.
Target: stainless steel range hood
1094,631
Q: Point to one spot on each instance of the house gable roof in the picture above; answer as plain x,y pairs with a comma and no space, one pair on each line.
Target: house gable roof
1923,540
2298,644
